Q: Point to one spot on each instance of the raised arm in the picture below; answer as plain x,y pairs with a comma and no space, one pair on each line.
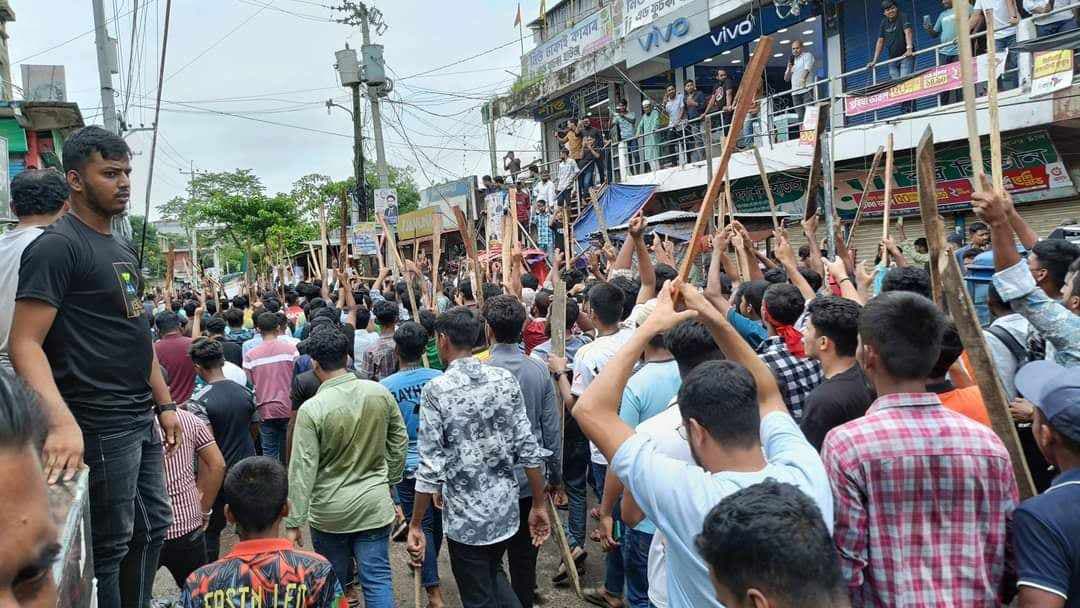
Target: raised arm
786,255
810,228
645,265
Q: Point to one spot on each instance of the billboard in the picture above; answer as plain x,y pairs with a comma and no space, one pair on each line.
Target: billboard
44,83
458,193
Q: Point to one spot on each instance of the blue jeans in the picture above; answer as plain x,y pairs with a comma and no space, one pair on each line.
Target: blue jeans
575,478
614,572
1009,79
371,549
272,434
1057,27
635,550
899,69
585,178
129,511
433,530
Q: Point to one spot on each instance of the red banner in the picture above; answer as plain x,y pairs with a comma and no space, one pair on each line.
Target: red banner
955,192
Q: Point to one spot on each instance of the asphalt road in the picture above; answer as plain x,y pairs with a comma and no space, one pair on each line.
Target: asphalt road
551,595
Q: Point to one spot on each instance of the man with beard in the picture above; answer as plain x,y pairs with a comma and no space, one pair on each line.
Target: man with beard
81,339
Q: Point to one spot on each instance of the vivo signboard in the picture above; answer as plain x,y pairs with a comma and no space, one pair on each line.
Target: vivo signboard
736,32
668,32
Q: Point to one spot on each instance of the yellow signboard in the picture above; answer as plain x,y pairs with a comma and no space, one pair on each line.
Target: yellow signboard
1051,71
416,224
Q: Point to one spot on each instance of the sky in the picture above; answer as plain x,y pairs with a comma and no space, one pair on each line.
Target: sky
271,61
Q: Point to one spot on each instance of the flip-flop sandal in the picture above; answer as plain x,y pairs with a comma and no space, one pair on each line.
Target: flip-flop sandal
561,575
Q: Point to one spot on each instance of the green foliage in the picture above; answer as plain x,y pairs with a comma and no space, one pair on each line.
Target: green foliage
153,259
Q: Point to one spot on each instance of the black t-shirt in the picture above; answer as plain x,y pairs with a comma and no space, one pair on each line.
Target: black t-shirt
835,401
304,387
233,352
893,33
230,410
693,112
99,345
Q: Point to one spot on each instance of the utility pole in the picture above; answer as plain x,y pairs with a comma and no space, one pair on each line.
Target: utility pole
358,151
106,60
374,74
491,138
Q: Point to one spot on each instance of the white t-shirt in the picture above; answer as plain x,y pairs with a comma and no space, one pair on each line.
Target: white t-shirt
363,340
663,428
802,70
12,244
1002,27
588,362
235,373
1041,19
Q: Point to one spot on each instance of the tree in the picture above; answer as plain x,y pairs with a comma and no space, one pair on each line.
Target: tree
153,259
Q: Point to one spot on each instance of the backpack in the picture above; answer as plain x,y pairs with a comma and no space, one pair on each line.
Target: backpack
1018,351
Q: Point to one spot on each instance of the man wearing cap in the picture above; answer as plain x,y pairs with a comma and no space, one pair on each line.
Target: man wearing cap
648,126
1047,527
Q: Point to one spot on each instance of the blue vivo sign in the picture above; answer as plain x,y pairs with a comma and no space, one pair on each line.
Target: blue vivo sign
667,32
737,32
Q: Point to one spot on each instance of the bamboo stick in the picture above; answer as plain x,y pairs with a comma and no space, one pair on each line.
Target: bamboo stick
768,189
867,184
888,197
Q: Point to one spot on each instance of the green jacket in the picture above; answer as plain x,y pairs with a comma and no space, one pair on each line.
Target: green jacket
348,450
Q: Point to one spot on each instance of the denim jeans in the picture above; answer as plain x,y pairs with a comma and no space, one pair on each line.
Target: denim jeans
129,511
272,433
371,549
635,550
904,67
575,478
433,531
585,178
1009,79
1057,27
614,571
695,141
183,555
478,572
955,95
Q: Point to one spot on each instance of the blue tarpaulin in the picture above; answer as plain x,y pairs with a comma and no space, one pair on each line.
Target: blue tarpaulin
620,202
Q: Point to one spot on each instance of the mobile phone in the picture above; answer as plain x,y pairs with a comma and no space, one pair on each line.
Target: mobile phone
926,21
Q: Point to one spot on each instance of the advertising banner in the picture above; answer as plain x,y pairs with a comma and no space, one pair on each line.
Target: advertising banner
924,84
386,203
1031,164
1051,71
416,224
637,13
364,239
590,35
667,32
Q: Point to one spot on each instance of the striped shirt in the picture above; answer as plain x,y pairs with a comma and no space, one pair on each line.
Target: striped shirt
180,475
270,367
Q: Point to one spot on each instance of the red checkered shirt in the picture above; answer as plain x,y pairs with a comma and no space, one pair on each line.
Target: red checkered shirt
923,499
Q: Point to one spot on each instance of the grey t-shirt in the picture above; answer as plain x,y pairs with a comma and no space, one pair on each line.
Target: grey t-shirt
12,244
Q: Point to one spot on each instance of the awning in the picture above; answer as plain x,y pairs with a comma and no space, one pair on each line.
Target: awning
1053,42
620,202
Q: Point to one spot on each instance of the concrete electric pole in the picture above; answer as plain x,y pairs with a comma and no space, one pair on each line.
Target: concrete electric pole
107,66
490,119
349,72
373,74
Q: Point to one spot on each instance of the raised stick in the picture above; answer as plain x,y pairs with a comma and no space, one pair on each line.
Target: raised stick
963,44
740,253
344,242
467,236
992,104
601,221
814,179
768,189
932,223
888,197
322,241
749,85
568,254
865,191
967,322
391,244
436,257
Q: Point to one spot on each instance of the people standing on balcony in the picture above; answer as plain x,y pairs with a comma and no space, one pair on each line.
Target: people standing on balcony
511,165
675,108
590,158
571,138
722,100
1006,16
564,176
800,72
944,29
897,39
695,106
650,143
628,146
1047,24
599,162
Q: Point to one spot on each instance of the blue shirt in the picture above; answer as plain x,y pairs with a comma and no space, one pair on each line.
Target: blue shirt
677,496
752,331
406,386
1047,536
649,392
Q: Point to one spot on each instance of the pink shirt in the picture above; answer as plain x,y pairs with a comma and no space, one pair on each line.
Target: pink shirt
270,367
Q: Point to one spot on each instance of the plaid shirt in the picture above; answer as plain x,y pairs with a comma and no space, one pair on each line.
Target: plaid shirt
796,377
923,499
543,230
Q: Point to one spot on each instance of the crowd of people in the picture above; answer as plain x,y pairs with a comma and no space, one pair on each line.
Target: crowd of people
804,431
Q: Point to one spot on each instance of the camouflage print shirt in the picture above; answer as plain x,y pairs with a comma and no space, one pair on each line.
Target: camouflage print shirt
1057,324
473,431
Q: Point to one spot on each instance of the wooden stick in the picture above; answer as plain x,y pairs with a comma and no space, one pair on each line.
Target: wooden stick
436,257
467,236
768,189
509,227
867,183
322,241
417,588
568,253
932,223
344,242
170,270
391,244
967,77
814,179
564,546
992,105
557,320
740,253
601,221
967,322
888,197
749,85
315,262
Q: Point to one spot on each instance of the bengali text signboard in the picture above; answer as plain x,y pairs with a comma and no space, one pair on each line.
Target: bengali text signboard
1051,71
590,35
924,84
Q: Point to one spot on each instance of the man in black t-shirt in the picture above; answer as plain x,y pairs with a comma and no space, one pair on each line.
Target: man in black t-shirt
81,339
897,38
215,329
831,336
229,409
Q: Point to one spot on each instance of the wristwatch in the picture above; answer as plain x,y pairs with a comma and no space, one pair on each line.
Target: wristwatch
161,408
